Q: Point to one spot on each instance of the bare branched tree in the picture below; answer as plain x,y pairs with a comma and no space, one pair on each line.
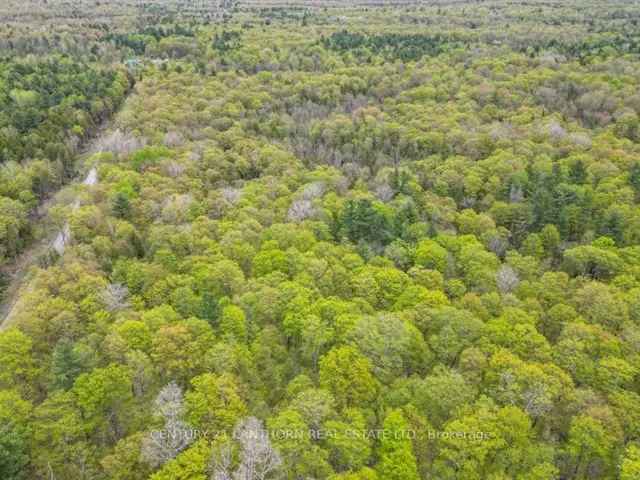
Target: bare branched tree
258,459
118,143
169,402
174,169
173,139
507,279
299,210
221,462
498,245
384,192
115,297
516,194
556,131
160,446
536,401
231,195
313,191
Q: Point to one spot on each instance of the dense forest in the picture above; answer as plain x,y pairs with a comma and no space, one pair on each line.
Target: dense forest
48,106
343,242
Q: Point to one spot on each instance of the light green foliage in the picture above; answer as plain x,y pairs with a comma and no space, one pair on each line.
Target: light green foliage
396,459
178,349
233,323
537,388
394,346
342,221
364,474
293,439
630,467
346,373
590,446
489,442
59,433
16,362
594,261
126,462
214,403
348,442
191,464
105,394
431,255
135,334
441,393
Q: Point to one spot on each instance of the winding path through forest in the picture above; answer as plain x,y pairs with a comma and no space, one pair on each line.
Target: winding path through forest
30,256
63,236
19,268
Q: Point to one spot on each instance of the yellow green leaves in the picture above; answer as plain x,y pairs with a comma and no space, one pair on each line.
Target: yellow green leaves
17,367
189,465
102,390
214,403
431,255
347,374
592,261
630,468
179,348
396,458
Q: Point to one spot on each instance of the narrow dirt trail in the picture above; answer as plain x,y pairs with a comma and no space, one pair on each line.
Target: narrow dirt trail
19,269
27,259
63,236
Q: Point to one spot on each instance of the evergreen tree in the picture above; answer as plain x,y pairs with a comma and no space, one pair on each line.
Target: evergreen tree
121,206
